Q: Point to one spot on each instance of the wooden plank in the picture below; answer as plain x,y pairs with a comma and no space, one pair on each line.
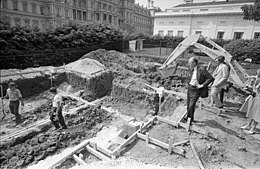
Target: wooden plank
97,154
117,151
184,114
79,160
161,144
216,110
170,146
199,130
181,142
102,150
188,125
167,121
70,153
147,139
196,156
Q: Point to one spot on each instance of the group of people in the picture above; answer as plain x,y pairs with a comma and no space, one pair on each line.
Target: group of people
15,98
199,81
198,84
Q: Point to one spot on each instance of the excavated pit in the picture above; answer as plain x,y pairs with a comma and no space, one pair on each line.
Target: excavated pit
123,80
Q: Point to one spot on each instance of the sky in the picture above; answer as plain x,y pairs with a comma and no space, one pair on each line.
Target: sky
165,4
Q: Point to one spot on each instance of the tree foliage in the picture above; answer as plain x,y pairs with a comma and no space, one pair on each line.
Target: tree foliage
252,12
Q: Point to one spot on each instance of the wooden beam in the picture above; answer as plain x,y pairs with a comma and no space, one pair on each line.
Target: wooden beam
102,150
97,154
181,142
167,121
118,150
170,146
183,115
147,139
196,156
161,144
79,160
199,130
216,110
70,153
188,125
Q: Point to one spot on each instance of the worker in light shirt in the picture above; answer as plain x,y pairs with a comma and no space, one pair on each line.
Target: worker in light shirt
15,97
56,116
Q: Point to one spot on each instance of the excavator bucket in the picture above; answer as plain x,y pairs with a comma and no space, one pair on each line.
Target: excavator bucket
166,69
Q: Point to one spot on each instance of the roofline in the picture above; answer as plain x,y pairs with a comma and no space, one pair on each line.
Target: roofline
210,5
197,14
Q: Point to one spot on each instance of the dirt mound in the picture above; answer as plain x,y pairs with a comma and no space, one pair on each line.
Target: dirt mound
87,66
115,60
80,127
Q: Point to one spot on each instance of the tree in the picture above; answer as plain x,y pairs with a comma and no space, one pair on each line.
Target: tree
252,12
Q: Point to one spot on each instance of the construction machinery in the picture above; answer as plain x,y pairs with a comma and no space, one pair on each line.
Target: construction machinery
170,66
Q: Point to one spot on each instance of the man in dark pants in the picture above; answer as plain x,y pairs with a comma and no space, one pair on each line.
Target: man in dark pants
15,97
56,116
198,86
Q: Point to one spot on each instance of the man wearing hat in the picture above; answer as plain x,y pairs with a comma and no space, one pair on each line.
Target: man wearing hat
15,97
56,116
221,75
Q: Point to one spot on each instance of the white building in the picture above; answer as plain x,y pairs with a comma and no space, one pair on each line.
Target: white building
221,19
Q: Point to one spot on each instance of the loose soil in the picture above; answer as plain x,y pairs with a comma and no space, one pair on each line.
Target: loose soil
234,148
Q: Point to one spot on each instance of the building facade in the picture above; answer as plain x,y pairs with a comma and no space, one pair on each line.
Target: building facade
216,20
45,14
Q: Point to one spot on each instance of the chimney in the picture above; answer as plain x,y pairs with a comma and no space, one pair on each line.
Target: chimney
149,3
152,4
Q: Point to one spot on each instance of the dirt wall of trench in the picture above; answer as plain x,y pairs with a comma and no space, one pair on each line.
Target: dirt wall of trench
30,86
94,87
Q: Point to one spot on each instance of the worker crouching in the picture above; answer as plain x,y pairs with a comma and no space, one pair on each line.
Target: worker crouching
56,116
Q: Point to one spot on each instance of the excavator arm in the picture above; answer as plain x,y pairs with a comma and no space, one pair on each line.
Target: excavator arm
212,53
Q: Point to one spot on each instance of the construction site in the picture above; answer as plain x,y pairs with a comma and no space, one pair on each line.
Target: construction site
123,111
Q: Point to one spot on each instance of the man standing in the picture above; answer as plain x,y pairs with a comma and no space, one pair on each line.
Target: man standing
56,116
197,87
15,97
221,75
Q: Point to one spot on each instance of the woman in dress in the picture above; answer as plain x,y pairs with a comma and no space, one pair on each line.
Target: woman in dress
254,111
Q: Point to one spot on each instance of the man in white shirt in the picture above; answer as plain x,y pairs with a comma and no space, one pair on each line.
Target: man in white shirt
221,75
56,116
15,97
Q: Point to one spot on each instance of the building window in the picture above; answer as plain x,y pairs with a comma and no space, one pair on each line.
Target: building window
104,17
160,32
79,15
84,16
5,5
74,14
180,34
25,6
74,2
42,10
104,6
33,8
15,4
17,21
222,22
238,35
257,35
198,32
66,13
27,23
204,9
186,10
35,24
220,35
58,11
170,33
97,16
99,5
110,18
